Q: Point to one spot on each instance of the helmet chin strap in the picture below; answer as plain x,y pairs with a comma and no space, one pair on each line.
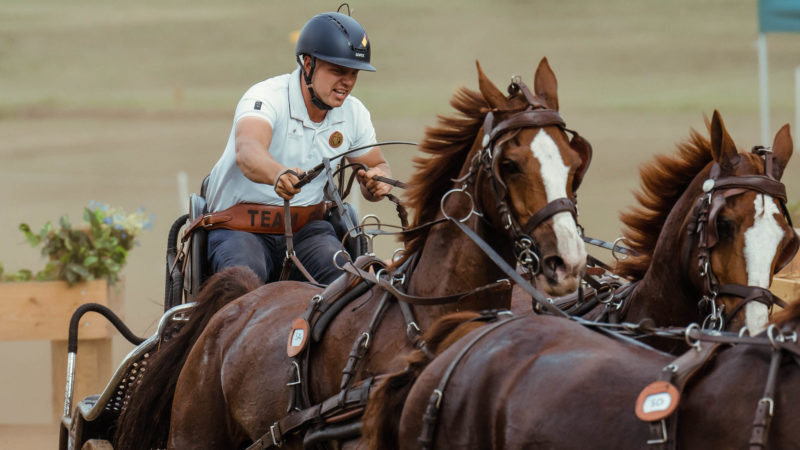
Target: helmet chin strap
316,101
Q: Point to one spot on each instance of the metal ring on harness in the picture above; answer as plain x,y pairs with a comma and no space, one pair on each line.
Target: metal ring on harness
743,330
397,254
379,273
715,320
772,338
346,257
377,221
696,343
526,256
614,249
471,205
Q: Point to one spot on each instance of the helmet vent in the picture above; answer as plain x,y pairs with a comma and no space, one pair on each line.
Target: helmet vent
340,25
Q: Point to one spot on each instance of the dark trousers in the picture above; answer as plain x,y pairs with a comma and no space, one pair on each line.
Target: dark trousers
315,245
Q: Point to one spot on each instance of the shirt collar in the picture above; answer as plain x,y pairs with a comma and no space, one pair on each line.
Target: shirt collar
297,107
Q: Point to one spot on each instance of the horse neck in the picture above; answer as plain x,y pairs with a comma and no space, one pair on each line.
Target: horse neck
450,263
666,293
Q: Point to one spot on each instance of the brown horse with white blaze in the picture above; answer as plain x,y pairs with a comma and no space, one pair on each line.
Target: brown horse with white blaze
710,230
542,382
494,168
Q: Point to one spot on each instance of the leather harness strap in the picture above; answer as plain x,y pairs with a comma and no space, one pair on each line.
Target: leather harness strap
291,258
388,286
430,418
678,373
549,210
748,294
332,410
766,405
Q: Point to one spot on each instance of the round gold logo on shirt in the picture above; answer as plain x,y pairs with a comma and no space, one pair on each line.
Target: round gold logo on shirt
336,139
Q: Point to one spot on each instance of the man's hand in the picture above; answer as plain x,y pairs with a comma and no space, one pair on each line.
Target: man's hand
284,185
373,190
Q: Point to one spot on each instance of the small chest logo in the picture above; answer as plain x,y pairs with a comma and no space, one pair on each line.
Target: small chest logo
336,139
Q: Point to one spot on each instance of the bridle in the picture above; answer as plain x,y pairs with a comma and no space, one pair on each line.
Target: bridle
536,114
702,229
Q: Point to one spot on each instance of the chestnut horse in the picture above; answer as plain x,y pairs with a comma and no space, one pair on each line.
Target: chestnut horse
710,230
233,386
538,381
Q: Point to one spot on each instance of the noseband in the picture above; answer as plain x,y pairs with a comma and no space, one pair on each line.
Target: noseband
703,229
496,133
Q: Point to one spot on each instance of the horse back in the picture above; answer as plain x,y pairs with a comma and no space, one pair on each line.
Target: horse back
512,389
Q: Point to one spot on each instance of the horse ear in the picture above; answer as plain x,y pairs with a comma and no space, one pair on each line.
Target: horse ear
722,147
545,84
782,149
493,96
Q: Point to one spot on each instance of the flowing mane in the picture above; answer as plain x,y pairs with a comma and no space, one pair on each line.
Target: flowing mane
663,181
448,143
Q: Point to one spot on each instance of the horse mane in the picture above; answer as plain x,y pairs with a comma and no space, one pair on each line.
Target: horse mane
448,143
144,423
663,181
381,420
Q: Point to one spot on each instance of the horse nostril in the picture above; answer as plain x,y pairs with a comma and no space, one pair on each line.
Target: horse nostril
551,264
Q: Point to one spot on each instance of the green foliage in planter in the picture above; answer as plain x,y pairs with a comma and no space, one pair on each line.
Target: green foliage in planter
98,251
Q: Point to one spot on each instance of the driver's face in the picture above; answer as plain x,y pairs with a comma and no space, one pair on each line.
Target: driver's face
331,83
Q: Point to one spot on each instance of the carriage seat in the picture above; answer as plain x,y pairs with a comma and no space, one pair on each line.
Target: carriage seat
198,269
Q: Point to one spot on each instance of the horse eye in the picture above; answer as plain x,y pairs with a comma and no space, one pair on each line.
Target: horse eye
725,228
510,167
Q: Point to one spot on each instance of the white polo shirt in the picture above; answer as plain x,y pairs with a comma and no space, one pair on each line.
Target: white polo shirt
296,142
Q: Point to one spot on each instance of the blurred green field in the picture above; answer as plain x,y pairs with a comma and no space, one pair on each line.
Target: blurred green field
109,100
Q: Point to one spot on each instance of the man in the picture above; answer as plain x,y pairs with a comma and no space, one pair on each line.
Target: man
287,124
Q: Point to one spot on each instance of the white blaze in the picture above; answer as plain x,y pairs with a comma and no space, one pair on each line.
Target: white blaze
555,175
760,245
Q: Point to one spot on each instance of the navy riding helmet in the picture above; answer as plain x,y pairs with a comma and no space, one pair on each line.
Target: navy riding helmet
335,38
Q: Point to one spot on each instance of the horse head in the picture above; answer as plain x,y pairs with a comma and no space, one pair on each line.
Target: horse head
535,170
710,230
748,233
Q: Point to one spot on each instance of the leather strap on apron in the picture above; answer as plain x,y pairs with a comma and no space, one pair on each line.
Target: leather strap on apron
257,218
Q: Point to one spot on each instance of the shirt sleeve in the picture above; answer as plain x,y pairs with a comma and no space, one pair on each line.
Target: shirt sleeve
254,107
364,130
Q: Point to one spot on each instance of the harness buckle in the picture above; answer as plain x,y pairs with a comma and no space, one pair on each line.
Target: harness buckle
275,433
365,335
297,372
438,393
770,402
507,221
663,435
399,278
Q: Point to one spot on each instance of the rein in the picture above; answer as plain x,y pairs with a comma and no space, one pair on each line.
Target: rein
336,195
